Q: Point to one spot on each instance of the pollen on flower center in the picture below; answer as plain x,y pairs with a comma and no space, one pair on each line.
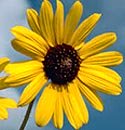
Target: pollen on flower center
61,64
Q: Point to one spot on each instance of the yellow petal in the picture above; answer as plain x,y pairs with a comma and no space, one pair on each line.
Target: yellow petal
59,22
31,91
2,83
70,112
46,22
26,49
72,20
33,20
3,113
91,96
46,105
100,79
112,58
83,112
3,62
84,29
7,103
58,113
111,73
22,72
28,42
74,107
97,44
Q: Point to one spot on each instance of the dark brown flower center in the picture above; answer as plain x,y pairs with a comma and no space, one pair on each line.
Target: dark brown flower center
61,64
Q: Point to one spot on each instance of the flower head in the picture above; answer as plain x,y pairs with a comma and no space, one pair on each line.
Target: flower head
5,103
60,54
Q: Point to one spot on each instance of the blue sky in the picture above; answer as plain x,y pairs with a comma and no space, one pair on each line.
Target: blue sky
12,12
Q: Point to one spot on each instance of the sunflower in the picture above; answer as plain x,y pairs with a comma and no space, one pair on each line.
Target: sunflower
63,64
5,103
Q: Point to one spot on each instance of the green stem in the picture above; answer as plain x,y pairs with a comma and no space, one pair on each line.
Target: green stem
23,125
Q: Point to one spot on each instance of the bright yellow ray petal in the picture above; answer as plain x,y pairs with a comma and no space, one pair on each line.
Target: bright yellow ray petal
33,20
7,102
71,109
28,42
27,49
83,112
3,113
97,44
112,58
3,62
46,22
111,73
58,113
91,96
46,105
98,78
18,67
22,72
84,29
59,22
72,20
2,83
31,91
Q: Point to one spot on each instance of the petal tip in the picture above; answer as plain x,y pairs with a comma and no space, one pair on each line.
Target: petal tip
114,36
4,60
16,28
3,63
121,58
38,124
13,29
78,2
97,15
28,10
101,109
118,91
20,104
